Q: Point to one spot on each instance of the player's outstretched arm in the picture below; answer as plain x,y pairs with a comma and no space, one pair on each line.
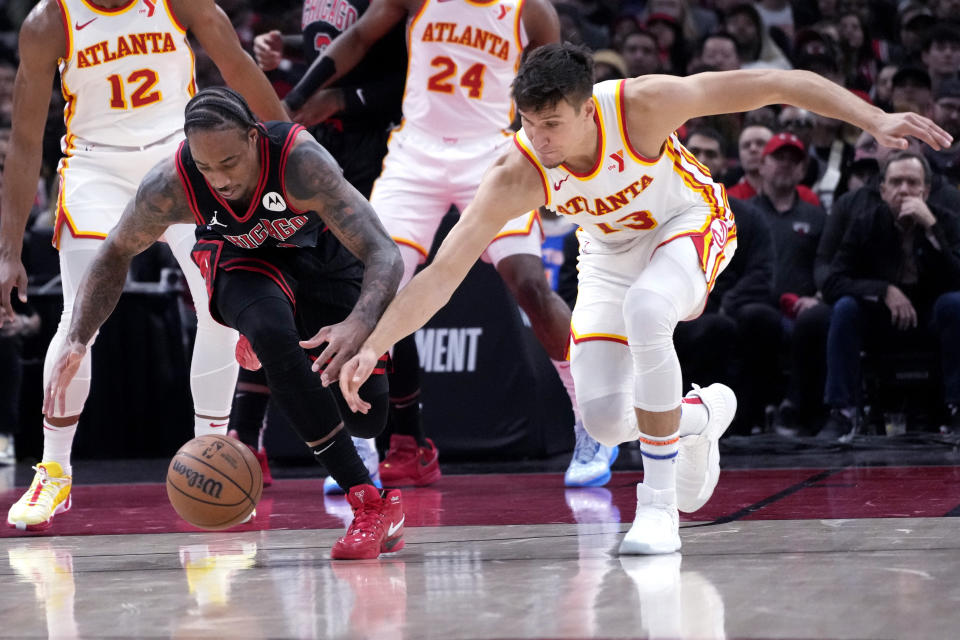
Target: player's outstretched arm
314,182
658,104
213,30
159,203
42,42
349,48
508,189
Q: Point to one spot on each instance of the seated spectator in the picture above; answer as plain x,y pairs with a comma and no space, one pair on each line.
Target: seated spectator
946,113
736,339
777,14
941,54
642,54
719,51
882,90
859,63
911,90
753,140
671,44
608,65
757,49
796,226
894,282
916,21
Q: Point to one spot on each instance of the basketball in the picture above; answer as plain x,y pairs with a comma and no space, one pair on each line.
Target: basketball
214,482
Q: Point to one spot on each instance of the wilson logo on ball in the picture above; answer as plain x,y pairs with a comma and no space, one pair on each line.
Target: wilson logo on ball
195,479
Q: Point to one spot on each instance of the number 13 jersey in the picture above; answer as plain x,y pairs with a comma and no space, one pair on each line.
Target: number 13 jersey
127,75
463,56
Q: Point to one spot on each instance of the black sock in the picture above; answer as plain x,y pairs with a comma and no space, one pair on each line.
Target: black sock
247,416
342,461
405,391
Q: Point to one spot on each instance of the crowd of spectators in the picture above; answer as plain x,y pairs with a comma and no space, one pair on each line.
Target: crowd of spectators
847,253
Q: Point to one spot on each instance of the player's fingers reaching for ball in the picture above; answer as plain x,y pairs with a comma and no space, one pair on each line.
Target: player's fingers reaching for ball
322,336
352,376
896,127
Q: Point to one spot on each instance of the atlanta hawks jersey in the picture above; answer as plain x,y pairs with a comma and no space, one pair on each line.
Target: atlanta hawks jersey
269,220
127,75
463,55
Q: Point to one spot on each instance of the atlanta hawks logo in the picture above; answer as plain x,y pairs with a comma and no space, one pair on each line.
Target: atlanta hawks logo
719,230
273,201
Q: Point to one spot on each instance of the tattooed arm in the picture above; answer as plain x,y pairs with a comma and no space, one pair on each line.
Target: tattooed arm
314,182
159,203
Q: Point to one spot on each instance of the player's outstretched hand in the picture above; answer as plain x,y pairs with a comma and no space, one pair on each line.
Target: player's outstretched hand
342,340
268,50
893,128
352,376
12,276
64,369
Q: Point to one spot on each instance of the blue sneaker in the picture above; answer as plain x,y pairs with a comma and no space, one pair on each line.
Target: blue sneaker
371,460
591,462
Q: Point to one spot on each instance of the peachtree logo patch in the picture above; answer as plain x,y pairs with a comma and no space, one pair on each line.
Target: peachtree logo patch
273,201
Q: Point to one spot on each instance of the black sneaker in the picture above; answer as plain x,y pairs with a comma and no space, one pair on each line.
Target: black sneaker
837,426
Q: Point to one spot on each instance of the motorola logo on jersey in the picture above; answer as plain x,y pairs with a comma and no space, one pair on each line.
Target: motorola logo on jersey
273,201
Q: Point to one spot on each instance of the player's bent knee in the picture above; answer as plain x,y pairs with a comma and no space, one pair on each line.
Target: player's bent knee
372,423
609,419
650,317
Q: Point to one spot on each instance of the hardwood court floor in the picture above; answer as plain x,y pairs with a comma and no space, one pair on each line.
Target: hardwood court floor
817,552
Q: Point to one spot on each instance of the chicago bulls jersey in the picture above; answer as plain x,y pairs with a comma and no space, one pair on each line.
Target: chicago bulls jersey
127,75
269,220
463,57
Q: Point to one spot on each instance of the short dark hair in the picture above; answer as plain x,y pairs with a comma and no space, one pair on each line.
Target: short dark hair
940,34
218,108
552,73
709,132
903,154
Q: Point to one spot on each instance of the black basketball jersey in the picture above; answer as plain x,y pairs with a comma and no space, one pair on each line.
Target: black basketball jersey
324,20
270,220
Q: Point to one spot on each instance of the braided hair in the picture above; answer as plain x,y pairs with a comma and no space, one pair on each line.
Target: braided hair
219,108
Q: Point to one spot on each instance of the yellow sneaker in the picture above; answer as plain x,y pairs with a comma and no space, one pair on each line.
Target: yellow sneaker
48,495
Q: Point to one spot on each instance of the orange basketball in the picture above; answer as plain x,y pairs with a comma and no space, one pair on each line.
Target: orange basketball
214,482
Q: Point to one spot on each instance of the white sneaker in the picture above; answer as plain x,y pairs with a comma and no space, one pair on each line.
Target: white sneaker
698,459
371,460
7,454
656,527
590,466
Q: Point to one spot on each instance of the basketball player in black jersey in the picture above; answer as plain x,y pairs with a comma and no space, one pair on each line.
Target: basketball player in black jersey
352,120
294,259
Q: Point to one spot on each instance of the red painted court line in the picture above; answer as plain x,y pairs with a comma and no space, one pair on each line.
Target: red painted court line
515,499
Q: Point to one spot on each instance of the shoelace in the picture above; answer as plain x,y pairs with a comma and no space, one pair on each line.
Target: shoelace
365,518
586,447
48,491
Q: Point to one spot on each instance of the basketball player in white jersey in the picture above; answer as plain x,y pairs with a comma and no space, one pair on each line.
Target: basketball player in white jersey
463,55
126,73
656,231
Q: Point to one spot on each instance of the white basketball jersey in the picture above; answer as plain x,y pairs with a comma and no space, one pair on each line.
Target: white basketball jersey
128,73
625,194
463,55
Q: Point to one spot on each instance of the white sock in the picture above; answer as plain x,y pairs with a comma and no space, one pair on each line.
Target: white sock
210,426
563,370
660,460
57,444
693,416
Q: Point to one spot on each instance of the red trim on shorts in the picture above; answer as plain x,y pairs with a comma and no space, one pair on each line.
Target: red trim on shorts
210,275
284,153
577,340
187,187
264,267
693,400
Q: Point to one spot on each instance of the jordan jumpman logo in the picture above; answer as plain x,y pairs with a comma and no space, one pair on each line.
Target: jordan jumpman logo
214,221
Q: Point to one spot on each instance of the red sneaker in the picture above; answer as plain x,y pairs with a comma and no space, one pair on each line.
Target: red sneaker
408,464
260,455
377,525
264,466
